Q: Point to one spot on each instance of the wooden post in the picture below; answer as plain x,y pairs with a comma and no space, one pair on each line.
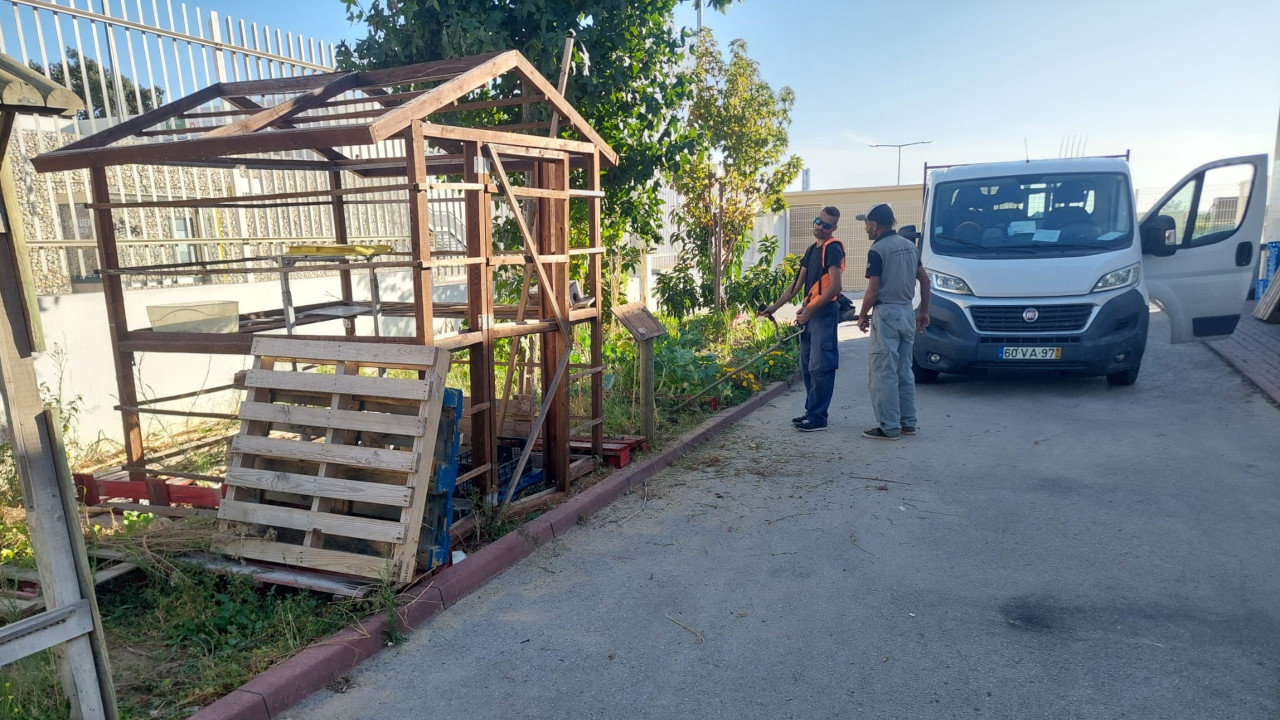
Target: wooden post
484,428
554,240
648,406
597,324
419,232
340,237
38,468
126,384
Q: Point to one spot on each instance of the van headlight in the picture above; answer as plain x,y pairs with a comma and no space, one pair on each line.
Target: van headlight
948,283
1124,277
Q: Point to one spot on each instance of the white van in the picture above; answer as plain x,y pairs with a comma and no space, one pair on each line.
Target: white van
1044,265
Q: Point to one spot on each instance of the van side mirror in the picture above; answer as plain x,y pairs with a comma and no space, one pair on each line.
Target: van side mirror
909,232
1159,236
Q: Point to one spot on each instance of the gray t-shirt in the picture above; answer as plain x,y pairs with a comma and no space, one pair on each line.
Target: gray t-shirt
894,260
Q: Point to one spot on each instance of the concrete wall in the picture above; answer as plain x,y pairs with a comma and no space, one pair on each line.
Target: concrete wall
907,202
79,346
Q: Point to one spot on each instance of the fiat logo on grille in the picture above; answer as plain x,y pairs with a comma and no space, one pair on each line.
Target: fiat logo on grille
1030,314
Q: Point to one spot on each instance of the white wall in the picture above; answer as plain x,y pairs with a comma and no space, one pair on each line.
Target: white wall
79,345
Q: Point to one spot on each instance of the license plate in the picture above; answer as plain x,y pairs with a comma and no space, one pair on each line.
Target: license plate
1018,352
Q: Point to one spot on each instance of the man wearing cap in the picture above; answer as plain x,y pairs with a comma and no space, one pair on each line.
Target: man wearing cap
893,268
819,277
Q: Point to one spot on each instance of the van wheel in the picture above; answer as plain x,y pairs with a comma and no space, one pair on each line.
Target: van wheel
924,376
1124,377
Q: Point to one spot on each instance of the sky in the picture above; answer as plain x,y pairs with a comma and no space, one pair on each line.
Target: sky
1174,82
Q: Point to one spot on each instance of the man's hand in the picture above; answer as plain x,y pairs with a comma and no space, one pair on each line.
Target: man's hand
802,317
864,321
765,311
922,319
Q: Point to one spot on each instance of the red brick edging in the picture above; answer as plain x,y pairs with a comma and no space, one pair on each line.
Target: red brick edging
279,688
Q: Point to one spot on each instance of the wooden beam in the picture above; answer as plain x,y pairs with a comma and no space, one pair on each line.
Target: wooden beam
424,72
269,116
117,323
396,120
214,202
595,279
449,132
566,110
153,117
530,246
205,147
479,224
420,232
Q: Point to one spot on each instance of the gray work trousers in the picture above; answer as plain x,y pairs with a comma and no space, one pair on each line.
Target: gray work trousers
892,385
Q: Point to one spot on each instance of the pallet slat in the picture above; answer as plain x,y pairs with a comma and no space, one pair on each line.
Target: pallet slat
351,455
297,519
333,488
404,357
315,558
329,418
339,384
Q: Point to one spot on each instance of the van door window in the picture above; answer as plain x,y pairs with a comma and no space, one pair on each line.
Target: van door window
1209,207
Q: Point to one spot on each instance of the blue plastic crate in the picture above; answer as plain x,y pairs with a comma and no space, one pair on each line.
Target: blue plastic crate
433,543
1260,288
1273,260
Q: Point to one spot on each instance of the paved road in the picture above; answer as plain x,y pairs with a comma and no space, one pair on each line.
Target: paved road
1044,548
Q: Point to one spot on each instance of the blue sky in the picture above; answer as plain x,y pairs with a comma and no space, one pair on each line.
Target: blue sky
1177,82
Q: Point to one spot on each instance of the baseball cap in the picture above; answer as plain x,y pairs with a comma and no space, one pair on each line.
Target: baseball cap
880,214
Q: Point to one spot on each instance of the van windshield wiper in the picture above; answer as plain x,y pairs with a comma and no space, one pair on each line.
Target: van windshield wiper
990,248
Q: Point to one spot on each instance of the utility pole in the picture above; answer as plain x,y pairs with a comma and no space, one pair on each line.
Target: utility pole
900,146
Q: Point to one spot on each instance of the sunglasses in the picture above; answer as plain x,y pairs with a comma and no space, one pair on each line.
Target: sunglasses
823,223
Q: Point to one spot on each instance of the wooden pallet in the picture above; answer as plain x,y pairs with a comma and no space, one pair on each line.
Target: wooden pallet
1268,307
332,470
20,587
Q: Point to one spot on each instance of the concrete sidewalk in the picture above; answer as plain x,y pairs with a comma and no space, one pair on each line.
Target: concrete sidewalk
1045,548
1254,350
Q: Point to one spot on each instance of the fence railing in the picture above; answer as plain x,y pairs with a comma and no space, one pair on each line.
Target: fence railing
128,56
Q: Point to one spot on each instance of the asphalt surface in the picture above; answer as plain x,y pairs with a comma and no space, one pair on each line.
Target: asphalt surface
1046,547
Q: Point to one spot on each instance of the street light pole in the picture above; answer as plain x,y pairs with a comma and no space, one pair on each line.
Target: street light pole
900,146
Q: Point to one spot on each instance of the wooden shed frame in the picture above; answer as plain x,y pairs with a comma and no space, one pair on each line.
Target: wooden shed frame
262,123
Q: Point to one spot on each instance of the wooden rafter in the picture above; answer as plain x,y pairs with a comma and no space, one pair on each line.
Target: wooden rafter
267,117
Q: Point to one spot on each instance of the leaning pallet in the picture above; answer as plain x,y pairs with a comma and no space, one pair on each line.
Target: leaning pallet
332,467
1268,308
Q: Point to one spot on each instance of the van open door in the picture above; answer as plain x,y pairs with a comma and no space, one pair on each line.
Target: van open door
1200,245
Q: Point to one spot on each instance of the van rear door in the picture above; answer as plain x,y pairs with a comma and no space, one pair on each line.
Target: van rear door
1200,244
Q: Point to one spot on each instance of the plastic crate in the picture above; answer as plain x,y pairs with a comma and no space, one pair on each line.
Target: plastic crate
1272,261
509,450
433,542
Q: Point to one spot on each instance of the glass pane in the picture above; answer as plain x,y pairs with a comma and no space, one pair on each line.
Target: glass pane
1222,203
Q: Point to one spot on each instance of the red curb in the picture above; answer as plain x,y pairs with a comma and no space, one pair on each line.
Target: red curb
238,705
457,581
282,686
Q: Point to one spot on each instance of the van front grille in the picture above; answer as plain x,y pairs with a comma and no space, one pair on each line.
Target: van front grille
1049,318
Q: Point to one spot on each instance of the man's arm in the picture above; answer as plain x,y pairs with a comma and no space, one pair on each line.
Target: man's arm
868,300
922,313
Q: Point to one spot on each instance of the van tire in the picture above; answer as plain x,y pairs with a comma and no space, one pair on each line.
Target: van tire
924,376
1123,378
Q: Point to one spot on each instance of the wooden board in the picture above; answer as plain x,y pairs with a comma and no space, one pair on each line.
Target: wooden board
312,495
637,319
1268,307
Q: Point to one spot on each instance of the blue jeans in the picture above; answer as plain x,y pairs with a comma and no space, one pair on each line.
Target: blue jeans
893,386
819,358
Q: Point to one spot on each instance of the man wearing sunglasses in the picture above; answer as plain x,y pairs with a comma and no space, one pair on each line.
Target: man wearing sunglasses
819,277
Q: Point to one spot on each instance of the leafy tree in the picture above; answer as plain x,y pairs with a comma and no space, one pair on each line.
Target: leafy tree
631,80
740,165
152,97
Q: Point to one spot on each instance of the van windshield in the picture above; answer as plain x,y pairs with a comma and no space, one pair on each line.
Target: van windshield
1008,217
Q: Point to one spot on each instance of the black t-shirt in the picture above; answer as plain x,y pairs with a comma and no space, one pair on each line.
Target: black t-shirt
815,268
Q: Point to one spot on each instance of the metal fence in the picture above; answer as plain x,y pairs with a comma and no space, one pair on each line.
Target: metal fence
123,60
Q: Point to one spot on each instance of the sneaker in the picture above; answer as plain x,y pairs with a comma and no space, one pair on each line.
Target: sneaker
878,434
908,430
808,425
799,419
